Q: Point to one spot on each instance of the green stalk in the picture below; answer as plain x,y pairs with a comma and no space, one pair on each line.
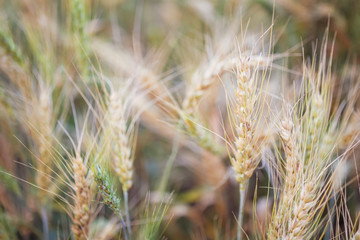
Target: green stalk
169,165
127,213
44,219
242,191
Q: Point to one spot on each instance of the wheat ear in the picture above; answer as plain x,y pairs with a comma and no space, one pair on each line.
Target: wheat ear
302,212
242,114
44,140
109,194
201,81
288,138
122,160
243,161
81,210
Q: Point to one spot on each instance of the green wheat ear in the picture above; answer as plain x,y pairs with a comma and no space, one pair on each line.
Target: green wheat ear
8,44
108,193
106,190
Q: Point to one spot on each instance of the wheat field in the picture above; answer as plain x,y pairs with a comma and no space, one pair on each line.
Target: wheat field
179,119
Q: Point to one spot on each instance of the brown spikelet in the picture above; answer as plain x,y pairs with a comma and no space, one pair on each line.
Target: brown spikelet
81,209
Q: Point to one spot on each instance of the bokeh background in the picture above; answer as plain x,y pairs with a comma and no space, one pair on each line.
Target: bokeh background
160,35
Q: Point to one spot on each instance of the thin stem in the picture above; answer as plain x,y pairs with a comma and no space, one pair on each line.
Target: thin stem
126,199
124,226
332,218
45,223
169,164
241,210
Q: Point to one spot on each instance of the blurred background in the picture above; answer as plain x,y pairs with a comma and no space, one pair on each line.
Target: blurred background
160,34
